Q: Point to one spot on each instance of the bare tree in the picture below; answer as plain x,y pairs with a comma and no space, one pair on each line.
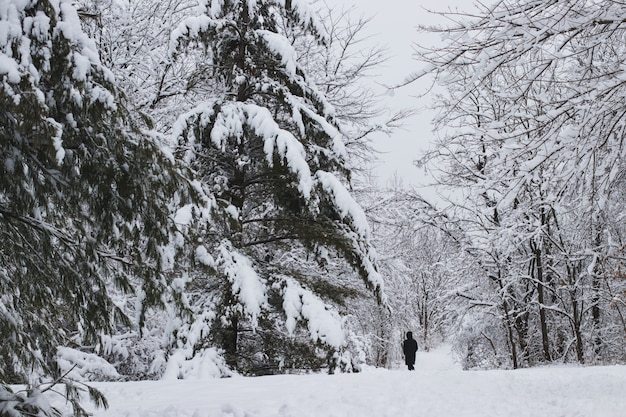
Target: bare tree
534,118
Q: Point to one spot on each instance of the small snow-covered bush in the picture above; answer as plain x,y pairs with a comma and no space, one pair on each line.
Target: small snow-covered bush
83,366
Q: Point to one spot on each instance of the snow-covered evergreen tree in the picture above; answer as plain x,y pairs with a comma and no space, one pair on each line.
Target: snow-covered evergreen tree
267,144
83,197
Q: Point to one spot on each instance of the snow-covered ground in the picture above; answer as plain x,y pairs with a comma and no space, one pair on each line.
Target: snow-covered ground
437,388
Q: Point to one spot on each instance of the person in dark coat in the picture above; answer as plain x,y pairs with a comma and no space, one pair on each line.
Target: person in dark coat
409,347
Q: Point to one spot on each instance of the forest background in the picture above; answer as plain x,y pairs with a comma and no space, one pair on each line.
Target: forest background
186,191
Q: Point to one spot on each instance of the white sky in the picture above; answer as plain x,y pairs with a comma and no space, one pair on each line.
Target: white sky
394,25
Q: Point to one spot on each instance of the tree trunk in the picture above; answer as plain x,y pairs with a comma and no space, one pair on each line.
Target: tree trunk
521,326
425,318
230,343
576,314
509,328
576,323
545,341
508,322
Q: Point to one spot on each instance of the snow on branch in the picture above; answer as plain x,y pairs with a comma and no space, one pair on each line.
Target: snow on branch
247,285
228,122
282,142
338,145
282,47
183,126
343,201
198,366
360,233
9,67
307,16
19,27
193,28
301,304
83,366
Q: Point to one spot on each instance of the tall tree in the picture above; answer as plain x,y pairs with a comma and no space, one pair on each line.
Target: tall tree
83,198
269,146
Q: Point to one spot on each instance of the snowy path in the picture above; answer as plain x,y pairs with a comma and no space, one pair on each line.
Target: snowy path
437,388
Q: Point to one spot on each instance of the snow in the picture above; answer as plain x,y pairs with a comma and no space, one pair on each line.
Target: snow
247,286
323,324
81,365
57,139
204,257
205,365
229,123
9,67
283,142
345,202
437,388
282,47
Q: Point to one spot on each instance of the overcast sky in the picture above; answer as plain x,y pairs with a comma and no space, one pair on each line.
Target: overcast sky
394,25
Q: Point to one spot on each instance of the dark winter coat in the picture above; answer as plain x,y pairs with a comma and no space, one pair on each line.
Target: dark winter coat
409,347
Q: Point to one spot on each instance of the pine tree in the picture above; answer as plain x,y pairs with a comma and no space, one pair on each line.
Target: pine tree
83,197
268,145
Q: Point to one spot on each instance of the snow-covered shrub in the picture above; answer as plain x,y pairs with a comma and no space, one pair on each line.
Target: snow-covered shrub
480,343
204,364
83,366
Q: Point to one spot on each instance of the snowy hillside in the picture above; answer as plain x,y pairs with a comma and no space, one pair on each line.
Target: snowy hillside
437,388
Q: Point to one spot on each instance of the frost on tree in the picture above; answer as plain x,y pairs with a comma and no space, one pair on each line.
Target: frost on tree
535,123
81,193
133,39
268,146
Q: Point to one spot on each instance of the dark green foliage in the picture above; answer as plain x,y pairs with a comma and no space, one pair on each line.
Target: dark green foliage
83,197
